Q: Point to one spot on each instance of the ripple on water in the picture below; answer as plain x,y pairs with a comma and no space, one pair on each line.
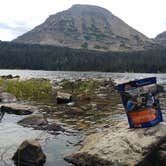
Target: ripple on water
12,135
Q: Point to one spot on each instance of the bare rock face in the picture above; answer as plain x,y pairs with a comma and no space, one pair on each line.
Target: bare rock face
123,147
29,153
161,38
85,26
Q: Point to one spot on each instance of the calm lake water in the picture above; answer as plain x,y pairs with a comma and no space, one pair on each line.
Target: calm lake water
55,147
53,75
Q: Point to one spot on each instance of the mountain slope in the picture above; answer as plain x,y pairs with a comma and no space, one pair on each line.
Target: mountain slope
161,38
85,26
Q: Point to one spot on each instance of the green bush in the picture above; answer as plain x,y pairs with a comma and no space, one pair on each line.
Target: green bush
84,45
97,46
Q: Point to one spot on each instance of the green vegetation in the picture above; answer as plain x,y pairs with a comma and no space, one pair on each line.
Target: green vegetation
84,45
32,89
80,86
97,46
24,56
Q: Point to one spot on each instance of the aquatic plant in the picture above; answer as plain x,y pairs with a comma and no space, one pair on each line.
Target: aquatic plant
31,89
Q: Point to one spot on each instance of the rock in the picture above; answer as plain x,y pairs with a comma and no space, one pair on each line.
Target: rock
102,95
35,121
29,153
9,76
7,97
71,104
53,128
94,107
18,109
121,146
160,88
83,97
63,98
39,122
74,111
2,89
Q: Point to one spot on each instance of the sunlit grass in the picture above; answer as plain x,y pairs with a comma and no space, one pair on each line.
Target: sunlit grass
80,86
32,89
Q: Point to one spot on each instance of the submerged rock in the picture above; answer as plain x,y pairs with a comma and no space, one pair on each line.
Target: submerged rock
18,109
35,121
123,146
7,97
63,98
39,122
29,153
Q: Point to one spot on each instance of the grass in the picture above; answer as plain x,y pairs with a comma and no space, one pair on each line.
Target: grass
80,86
32,89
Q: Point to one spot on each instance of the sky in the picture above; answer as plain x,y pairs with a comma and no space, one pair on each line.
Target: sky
20,16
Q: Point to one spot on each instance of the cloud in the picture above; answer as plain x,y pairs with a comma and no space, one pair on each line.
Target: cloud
15,27
9,30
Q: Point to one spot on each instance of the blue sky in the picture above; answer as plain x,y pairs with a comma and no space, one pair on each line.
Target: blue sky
20,16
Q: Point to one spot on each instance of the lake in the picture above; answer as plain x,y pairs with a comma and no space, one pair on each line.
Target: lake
55,147
53,75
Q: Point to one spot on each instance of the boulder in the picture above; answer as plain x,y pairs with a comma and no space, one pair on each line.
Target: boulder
63,98
7,97
29,153
34,121
39,122
123,147
18,109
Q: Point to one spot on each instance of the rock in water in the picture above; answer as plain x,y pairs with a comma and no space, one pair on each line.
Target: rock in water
63,98
121,146
7,97
18,109
39,122
29,153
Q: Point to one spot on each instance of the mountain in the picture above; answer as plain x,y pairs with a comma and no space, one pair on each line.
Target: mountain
161,38
88,27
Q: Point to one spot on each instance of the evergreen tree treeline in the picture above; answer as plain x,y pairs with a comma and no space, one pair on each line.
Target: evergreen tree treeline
28,56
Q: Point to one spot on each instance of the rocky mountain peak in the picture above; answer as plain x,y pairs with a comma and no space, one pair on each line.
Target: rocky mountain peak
161,38
161,35
88,8
88,27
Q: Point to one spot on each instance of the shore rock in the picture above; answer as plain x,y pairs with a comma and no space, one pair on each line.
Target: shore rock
29,153
121,146
7,97
63,98
18,109
39,122
9,76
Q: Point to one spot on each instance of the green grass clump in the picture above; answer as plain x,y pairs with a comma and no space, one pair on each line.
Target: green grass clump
32,89
80,86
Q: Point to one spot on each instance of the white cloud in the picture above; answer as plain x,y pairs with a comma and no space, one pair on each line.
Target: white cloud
147,16
6,35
